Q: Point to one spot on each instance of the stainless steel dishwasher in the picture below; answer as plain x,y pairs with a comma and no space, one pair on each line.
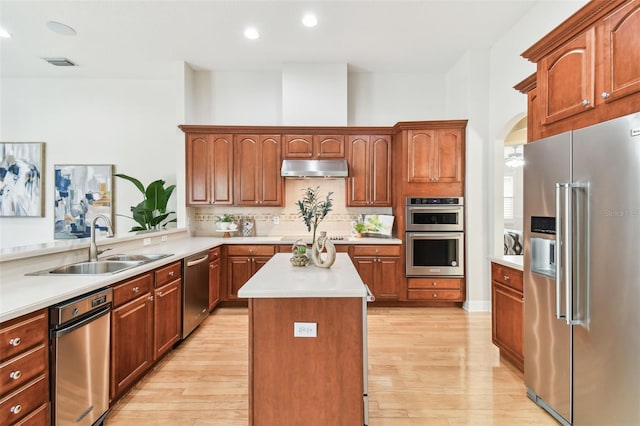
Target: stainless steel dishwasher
195,294
79,332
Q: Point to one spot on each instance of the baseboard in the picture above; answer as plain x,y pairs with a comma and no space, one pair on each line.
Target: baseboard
477,306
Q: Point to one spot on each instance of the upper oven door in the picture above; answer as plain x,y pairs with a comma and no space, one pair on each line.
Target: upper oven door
431,218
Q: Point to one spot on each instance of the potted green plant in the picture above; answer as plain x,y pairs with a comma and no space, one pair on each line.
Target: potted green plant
224,221
151,213
312,209
359,228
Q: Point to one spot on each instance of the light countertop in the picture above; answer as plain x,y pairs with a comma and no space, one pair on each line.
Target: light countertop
279,279
512,261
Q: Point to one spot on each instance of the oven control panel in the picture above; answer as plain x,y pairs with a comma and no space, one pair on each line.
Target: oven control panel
445,201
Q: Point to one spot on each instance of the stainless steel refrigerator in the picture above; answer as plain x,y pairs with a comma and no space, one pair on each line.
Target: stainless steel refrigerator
582,274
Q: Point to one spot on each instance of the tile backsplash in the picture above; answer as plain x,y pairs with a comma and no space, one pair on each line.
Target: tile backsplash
202,220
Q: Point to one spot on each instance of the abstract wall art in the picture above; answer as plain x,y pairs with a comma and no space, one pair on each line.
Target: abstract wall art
82,191
21,166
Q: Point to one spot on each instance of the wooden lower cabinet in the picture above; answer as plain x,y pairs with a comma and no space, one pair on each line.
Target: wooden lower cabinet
435,289
379,267
214,277
242,262
24,370
507,307
167,317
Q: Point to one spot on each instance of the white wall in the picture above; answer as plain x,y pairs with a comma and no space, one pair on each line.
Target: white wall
128,123
383,99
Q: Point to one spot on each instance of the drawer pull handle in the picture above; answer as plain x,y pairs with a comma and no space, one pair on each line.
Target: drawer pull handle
15,375
15,341
435,295
135,289
171,273
16,409
505,277
434,283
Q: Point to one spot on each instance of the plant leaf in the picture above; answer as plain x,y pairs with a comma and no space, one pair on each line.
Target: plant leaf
133,180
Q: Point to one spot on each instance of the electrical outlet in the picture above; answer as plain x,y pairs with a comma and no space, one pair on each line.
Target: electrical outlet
146,241
276,220
305,329
164,238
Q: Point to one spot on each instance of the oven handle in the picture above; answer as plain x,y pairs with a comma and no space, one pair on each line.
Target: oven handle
457,209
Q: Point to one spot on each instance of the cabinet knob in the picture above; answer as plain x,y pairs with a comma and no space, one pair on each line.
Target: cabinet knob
505,277
135,289
171,273
211,266
435,295
16,409
605,95
309,154
15,341
159,295
586,102
15,375
151,298
434,283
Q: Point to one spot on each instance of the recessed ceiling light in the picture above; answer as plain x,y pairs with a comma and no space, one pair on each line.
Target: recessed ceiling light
310,20
4,33
251,33
61,28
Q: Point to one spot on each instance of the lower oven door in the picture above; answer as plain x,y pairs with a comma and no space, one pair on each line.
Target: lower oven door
435,254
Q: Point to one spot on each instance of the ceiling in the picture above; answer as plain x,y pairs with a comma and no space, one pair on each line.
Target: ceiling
123,38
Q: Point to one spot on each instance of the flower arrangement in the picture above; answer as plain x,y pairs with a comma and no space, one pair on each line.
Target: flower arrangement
312,209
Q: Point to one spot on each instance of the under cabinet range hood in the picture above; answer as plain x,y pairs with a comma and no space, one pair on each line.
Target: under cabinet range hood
314,169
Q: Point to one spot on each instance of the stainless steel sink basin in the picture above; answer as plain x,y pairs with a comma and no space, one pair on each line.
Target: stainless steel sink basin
136,257
101,267
106,266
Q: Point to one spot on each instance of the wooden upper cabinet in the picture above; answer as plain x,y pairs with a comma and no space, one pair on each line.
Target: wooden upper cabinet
566,79
369,181
303,147
620,46
435,156
209,169
257,170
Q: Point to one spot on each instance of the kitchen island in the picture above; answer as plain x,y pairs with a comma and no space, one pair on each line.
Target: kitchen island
307,344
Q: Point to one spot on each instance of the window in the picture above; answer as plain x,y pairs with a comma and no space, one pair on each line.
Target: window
508,198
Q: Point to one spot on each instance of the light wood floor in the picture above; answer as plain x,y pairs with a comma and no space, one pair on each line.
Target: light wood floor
427,366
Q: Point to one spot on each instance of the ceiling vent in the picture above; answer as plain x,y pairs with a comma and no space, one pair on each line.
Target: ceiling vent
60,62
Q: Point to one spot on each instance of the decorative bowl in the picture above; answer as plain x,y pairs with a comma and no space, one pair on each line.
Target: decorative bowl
299,260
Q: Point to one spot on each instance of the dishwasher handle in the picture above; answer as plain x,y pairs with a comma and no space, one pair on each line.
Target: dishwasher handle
191,263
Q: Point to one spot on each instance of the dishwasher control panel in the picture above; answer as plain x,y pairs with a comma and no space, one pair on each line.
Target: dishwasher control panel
79,306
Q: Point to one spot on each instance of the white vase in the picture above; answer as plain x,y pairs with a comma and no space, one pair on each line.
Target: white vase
319,246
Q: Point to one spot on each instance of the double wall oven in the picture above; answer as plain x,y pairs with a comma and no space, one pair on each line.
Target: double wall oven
434,236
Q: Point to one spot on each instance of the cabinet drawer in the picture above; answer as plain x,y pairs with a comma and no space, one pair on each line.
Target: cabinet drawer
448,295
168,273
19,370
23,333
214,254
131,289
23,401
507,276
40,417
386,250
434,283
257,250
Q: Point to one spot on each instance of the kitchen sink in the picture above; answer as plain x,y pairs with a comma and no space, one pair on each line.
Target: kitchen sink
136,257
106,266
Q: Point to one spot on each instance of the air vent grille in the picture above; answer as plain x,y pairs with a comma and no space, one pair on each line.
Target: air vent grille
60,62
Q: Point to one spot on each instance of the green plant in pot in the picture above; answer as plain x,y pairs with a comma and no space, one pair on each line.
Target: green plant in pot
312,209
151,213
224,221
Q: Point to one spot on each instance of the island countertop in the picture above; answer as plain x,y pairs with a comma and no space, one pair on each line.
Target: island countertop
279,279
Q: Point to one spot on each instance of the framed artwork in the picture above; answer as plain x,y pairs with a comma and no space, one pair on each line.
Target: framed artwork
82,191
21,166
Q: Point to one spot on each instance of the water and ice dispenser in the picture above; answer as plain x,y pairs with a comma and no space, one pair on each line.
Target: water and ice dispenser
543,249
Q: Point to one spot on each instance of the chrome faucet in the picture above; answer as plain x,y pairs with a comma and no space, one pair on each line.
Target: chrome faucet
93,249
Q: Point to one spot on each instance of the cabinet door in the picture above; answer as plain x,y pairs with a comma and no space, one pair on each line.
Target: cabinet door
167,317
420,148
507,322
258,262
198,171
566,79
621,52
221,158
358,182
380,171
247,165
238,272
298,146
270,181
365,266
214,284
448,155
131,343
328,147
387,278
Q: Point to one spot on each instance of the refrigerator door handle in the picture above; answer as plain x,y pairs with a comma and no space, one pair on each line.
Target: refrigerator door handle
560,249
564,251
